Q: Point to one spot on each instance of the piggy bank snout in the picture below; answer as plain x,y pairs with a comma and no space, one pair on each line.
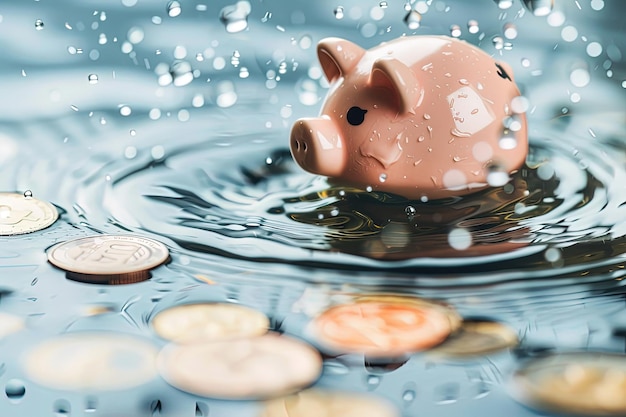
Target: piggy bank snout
317,146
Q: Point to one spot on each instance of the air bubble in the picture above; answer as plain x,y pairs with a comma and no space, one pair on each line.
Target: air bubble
455,31
579,77
472,26
569,33
556,19
286,112
575,98
539,7
130,152
510,31
594,49
235,17
520,104
460,239
173,8
135,35
39,24
552,255
125,110
181,73
413,19
338,12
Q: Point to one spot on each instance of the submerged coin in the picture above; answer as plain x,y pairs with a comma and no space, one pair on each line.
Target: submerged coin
108,254
575,383
209,322
478,338
383,326
249,368
20,214
316,403
91,361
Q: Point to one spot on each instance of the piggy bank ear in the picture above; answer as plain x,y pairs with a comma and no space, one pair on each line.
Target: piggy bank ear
338,57
396,76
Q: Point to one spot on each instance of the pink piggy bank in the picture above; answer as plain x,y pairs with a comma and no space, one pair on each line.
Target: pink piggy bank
424,117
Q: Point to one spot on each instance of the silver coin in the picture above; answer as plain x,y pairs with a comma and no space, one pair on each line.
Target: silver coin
20,214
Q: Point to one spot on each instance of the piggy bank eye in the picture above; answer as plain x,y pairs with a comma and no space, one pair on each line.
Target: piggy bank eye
356,115
502,73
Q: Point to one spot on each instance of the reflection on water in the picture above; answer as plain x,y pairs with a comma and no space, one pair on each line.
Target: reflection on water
171,120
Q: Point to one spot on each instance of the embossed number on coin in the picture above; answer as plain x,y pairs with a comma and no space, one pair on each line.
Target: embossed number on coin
108,254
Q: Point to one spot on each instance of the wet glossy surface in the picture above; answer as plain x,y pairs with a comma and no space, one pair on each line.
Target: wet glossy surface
171,121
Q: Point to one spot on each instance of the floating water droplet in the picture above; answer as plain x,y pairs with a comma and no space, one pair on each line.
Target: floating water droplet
286,112
135,35
180,73
157,152
408,396
338,12
130,152
235,17
91,405
410,211
132,132
305,42
539,7
579,77
510,31
455,31
227,96
383,4
504,4
413,19
125,110
497,176
93,78
507,140
556,19
597,5
373,381
498,42
39,24
594,49
28,194
382,177
459,238
520,104
14,390
525,62
173,8
472,26
569,33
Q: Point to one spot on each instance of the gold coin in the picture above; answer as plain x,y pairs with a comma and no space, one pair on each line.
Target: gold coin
209,322
108,254
91,361
477,338
383,326
20,215
317,403
247,368
576,383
